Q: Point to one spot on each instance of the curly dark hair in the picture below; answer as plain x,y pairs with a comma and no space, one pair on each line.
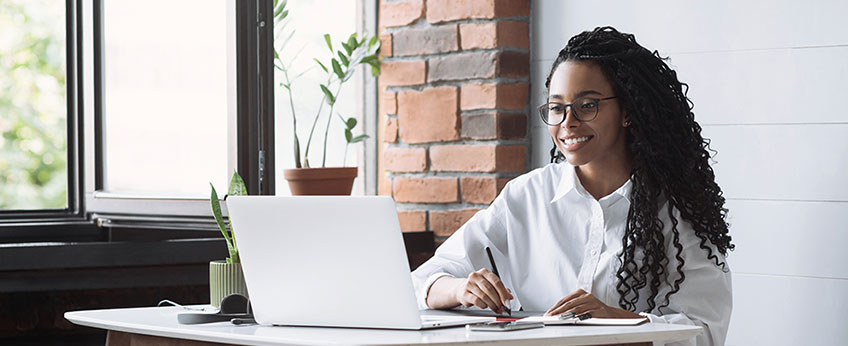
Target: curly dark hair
670,162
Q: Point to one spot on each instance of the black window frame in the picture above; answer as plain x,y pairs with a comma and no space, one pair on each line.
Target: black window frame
254,128
255,121
73,213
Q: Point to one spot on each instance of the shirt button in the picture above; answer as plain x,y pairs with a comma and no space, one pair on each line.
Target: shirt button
594,252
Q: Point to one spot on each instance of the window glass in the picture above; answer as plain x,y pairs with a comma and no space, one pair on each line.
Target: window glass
168,96
33,106
307,43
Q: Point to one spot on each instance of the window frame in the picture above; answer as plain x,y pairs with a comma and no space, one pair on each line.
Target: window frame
74,212
254,127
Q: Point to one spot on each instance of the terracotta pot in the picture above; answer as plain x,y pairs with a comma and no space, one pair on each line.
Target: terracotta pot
320,181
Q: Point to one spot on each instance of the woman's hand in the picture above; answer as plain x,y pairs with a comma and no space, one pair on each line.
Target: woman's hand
581,302
485,290
481,288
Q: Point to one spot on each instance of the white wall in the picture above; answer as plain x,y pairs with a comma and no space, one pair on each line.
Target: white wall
768,83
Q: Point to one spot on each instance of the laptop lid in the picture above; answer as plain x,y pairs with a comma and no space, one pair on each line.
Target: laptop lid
324,261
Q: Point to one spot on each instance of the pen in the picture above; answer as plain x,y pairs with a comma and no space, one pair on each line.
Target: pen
495,270
566,316
585,316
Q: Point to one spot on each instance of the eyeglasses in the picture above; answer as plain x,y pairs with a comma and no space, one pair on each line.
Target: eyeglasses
583,108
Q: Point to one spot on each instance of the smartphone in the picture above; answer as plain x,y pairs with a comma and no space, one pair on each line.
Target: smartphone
503,326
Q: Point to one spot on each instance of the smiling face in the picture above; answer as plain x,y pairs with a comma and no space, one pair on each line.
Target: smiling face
596,143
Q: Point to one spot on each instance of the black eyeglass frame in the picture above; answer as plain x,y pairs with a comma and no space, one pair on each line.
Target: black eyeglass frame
596,101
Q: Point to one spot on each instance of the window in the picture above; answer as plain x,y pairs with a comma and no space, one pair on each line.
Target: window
34,106
132,108
168,97
176,106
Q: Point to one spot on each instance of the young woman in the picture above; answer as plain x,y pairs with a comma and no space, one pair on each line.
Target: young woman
632,224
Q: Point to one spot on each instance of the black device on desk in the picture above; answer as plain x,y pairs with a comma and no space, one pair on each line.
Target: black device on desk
503,326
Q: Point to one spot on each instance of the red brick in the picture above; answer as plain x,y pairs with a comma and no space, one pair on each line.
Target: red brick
463,158
388,103
513,64
512,8
478,95
479,190
413,220
426,190
445,223
494,95
494,35
391,134
450,10
493,125
386,45
513,34
512,158
399,13
430,115
478,158
405,160
478,35
502,183
429,40
403,73
513,95
512,126
470,65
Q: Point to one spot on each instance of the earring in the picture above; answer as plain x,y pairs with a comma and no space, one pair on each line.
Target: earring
627,123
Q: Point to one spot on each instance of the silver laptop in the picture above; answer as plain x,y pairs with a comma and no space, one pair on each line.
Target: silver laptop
328,261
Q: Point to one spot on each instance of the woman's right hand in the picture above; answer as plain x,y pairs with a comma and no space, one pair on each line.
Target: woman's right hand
483,289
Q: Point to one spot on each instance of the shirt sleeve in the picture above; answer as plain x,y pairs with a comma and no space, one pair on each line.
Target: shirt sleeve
464,251
705,297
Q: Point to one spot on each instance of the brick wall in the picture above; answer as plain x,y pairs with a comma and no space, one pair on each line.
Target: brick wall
452,107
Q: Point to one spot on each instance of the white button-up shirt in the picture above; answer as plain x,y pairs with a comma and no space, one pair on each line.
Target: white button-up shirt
549,237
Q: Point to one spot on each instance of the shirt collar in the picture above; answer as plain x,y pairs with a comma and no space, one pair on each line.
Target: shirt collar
569,182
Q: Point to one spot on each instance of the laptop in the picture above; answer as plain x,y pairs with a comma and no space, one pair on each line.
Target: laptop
328,261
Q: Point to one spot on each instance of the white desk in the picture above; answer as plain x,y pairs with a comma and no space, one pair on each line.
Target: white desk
162,322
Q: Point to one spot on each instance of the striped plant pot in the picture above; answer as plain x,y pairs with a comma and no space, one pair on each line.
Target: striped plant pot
225,279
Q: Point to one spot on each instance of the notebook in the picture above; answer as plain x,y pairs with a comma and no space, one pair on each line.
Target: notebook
329,261
594,321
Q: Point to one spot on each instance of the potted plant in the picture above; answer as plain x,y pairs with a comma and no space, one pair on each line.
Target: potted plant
226,276
305,178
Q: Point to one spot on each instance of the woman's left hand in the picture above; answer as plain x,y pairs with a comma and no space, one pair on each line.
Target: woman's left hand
581,302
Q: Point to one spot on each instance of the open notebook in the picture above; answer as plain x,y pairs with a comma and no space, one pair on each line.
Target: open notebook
594,321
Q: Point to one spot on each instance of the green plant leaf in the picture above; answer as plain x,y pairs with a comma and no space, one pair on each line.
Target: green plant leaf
322,65
237,187
219,219
375,71
350,123
351,41
329,44
296,152
343,58
348,135
280,11
373,41
347,48
338,69
330,98
369,59
358,139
